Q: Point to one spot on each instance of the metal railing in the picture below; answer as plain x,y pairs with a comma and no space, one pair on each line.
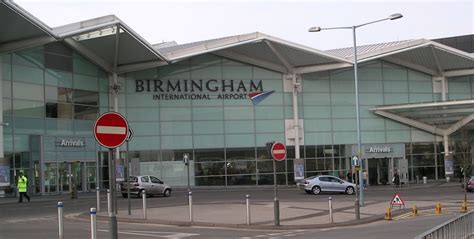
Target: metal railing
460,227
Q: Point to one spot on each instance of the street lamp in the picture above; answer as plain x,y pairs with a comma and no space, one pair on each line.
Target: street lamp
318,29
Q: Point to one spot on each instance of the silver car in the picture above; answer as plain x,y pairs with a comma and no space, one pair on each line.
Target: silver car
326,183
152,186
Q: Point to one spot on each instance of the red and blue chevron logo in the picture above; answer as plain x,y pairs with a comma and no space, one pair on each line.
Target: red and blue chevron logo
257,97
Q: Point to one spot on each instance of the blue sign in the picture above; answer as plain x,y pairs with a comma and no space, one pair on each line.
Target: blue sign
355,161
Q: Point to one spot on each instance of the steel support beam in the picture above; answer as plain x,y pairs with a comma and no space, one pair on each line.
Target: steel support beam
456,126
411,122
458,72
26,43
435,56
280,56
411,65
139,66
90,55
424,105
251,60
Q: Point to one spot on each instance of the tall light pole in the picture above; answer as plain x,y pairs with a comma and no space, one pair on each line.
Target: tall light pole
359,153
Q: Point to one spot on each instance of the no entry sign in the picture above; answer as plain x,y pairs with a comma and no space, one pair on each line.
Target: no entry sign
111,129
278,151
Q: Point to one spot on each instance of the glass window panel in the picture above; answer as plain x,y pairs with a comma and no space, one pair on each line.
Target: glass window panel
268,112
372,124
206,72
6,72
103,82
175,114
206,59
85,82
7,107
145,143
143,114
140,100
343,111
207,169
231,113
145,128
342,86
266,166
343,99
344,124
241,180
317,125
423,160
85,97
370,73
373,137
262,139
418,76
206,155
310,151
176,155
58,49
208,113
25,125
177,142
174,71
395,98
241,167
260,73
316,85
398,136
58,94
176,128
83,66
210,181
267,179
317,112
240,140
85,112
316,99
288,98
269,126
7,89
240,154
58,62
59,126
371,86
28,108
273,99
28,91
371,99
342,74
83,127
27,74
59,110
423,148
230,72
208,141
392,74
31,57
208,127
244,126
345,137
423,86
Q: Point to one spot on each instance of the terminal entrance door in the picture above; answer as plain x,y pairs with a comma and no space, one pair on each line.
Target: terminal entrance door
70,175
379,171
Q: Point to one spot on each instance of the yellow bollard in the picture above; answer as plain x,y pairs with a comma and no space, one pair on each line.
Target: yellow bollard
464,207
388,214
414,211
438,208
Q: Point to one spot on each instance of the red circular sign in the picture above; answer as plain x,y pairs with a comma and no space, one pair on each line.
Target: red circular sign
278,151
110,129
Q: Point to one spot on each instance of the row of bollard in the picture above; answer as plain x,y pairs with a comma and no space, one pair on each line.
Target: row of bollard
93,215
414,210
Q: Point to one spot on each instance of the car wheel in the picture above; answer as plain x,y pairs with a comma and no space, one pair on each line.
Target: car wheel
167,193
124,195
349,190
316,190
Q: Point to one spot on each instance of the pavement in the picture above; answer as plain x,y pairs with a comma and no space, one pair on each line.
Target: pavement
293,214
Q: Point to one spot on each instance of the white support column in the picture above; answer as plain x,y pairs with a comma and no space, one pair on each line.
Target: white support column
295,115
444,87
3,162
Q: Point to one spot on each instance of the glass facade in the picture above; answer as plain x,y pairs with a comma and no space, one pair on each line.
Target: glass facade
51,97
201,106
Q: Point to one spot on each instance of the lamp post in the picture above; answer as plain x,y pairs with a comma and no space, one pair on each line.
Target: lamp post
318,29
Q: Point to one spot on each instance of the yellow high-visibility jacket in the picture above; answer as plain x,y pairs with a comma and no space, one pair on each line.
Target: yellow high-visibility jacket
22,183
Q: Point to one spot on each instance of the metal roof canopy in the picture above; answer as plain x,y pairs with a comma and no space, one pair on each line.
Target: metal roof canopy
259,49
95,39
33,32
440,118
423,55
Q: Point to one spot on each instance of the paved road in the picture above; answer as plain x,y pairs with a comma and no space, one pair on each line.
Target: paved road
38,218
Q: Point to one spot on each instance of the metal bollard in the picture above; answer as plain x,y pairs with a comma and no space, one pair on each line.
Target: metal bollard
93,213
97,191
60,220
190,202
144,203
247,202
109,202
357,209
388,214
438,208
414,211
330,210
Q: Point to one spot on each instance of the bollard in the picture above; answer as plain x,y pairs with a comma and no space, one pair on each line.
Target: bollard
388,214
414,211
144,203
357,210
438,208
247,202
330,210
93,213
97,190
109,202
464,206
190,202
60,220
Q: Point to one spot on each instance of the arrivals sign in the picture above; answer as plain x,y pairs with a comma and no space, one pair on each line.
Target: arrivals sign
208,89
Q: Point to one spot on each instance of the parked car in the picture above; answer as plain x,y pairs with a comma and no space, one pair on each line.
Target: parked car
152,186
470,184
326,183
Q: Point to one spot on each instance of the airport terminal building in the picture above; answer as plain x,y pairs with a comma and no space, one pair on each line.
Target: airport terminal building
221,100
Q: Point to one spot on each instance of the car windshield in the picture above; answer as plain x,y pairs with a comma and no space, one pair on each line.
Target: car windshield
133,179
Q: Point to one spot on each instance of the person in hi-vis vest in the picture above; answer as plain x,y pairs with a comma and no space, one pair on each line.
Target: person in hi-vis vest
22,186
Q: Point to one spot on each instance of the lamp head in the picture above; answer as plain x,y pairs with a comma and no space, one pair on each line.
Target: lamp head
395,16
314,29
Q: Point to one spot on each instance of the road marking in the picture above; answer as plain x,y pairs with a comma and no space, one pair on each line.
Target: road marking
31,219
154,233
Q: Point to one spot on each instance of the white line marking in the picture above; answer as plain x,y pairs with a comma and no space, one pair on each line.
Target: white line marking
278,151
110,130
153,233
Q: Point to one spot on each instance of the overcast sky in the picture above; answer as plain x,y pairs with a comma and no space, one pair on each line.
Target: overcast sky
194,20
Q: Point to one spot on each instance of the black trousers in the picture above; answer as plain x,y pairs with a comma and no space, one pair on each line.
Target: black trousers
24,194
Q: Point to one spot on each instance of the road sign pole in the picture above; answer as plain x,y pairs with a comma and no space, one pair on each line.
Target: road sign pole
112,218
127,180
276,202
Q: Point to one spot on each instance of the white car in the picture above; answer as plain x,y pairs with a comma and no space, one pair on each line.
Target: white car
152,186
326,183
